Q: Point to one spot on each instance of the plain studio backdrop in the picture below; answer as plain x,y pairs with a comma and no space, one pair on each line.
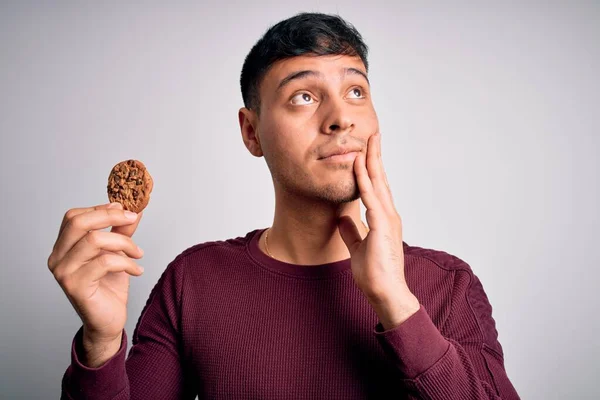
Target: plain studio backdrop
489,117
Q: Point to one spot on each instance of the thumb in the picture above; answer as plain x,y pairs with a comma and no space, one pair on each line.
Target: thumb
349,232
128,230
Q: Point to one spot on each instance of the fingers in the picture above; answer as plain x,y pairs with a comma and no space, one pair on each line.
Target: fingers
128,230
98,268
81,223
76,211
69,215
95,243
377,173
374,214
367,192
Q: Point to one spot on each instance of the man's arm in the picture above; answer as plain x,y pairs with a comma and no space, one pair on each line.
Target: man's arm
461,360
153,369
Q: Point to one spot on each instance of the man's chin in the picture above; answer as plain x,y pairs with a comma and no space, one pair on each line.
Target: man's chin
339,195
335,192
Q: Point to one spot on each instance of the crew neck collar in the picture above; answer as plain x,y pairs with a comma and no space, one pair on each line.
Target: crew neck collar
320,271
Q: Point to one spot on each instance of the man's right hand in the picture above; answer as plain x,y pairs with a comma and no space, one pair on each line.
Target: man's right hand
93,267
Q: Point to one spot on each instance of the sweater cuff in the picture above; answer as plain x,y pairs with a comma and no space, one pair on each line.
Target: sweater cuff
103,382
415,345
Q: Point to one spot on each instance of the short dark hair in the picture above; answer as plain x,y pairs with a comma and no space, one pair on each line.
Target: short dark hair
305,33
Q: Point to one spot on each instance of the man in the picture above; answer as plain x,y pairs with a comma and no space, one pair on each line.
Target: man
319,305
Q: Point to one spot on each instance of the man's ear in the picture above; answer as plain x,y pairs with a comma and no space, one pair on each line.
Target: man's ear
248,125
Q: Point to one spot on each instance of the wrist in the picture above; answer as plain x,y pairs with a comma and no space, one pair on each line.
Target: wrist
91,337
392,313
97,351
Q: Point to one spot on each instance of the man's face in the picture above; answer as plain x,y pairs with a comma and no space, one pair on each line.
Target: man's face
305,117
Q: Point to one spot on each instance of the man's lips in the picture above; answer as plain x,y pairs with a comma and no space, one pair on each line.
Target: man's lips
350,156
340,153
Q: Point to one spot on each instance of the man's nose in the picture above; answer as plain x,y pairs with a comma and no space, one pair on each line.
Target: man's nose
338,119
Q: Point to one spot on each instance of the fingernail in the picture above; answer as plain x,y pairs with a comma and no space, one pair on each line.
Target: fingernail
130,215
115,204
140,249
141,268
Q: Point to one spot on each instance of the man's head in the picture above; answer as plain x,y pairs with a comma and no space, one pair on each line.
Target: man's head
306,96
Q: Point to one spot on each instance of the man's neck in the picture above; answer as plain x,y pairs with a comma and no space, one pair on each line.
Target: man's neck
306,233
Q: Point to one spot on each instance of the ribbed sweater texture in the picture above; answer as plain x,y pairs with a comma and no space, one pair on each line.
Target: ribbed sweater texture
226,321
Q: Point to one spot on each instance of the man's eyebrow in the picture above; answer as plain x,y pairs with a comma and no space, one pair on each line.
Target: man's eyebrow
298,75
355,71
310,73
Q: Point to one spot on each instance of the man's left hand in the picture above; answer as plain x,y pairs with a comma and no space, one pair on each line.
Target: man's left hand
378,259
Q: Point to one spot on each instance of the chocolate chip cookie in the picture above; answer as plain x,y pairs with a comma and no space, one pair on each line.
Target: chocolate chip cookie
130,184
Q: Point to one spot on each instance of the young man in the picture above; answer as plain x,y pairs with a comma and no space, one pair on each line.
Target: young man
319,305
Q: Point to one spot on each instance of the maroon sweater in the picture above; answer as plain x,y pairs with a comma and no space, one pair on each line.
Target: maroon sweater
225,321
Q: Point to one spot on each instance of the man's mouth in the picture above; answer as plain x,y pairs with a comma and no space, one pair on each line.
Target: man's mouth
340,153
344,157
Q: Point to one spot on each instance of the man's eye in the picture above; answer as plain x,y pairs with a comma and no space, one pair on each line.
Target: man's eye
357,92
302,98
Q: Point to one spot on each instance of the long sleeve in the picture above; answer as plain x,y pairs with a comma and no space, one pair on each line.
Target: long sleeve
226,321
153,369
461,360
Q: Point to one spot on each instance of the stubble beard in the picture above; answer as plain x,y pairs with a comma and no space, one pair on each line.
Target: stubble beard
336,193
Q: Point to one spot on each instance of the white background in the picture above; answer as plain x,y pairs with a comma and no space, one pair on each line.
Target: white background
489,117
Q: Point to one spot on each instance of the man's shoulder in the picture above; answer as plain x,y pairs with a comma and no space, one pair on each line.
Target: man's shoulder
437,259
438,278
215,251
